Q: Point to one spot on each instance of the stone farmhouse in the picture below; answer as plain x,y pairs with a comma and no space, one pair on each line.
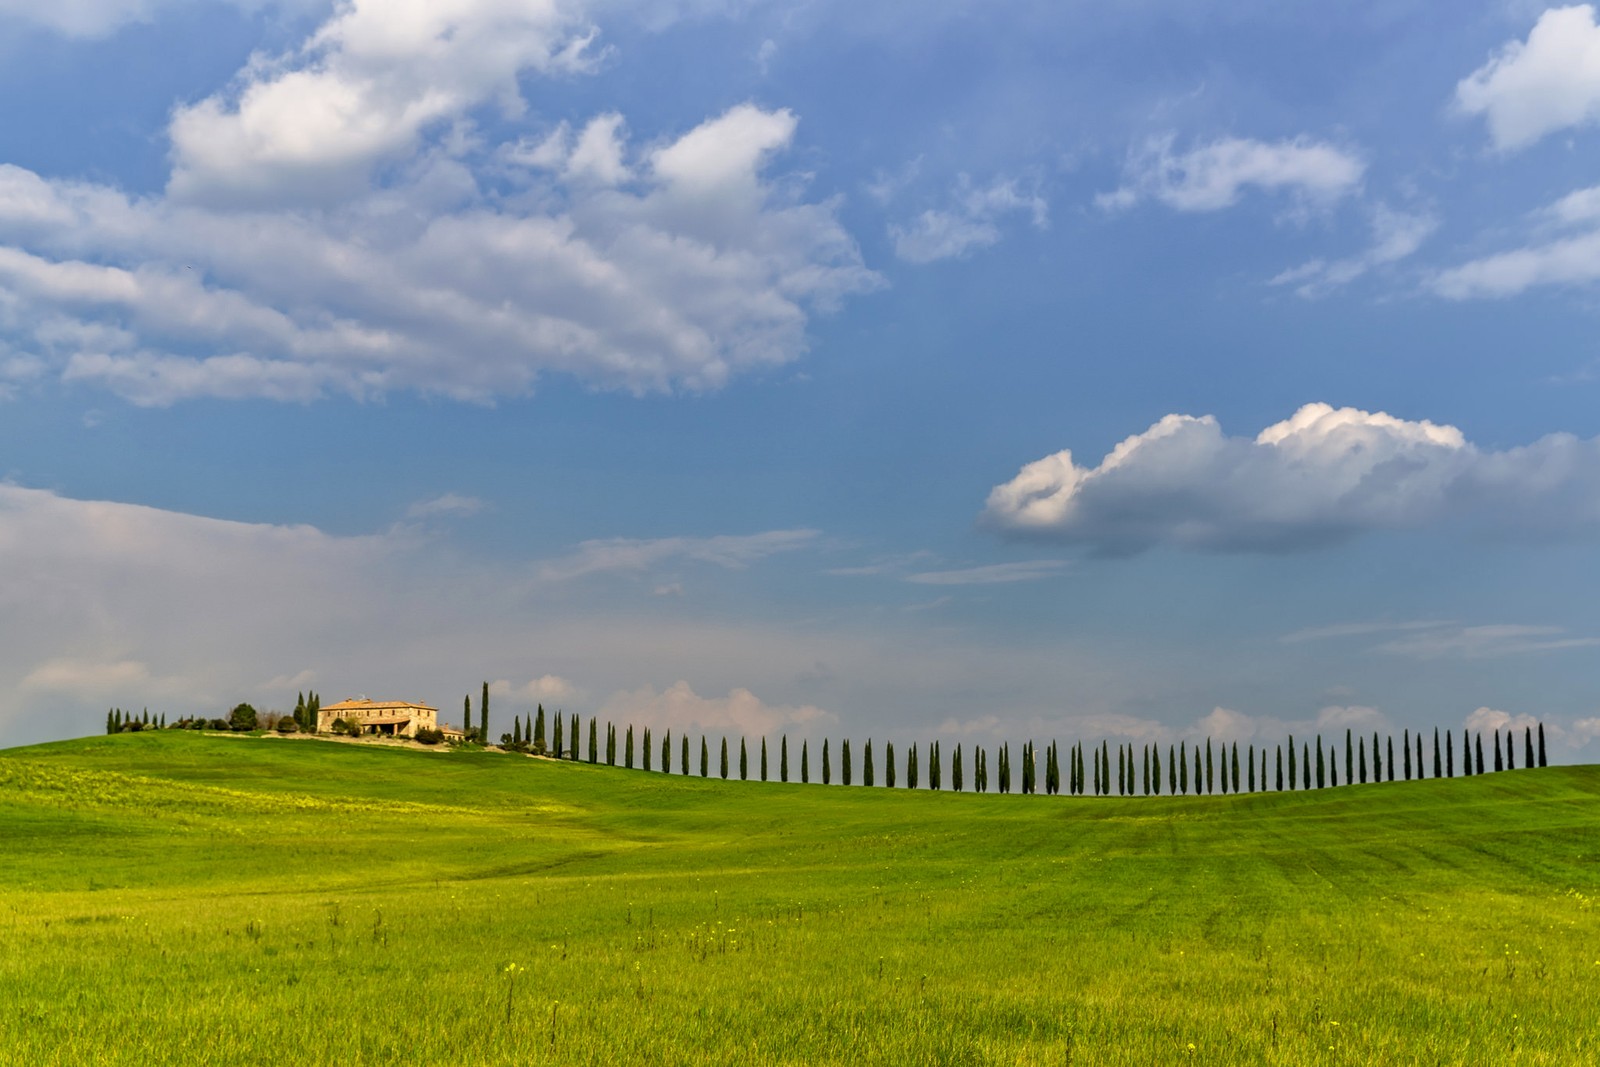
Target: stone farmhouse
395,718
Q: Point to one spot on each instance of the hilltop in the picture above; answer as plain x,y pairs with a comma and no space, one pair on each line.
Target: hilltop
179,897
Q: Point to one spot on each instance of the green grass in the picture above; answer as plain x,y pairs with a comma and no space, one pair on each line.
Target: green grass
177,897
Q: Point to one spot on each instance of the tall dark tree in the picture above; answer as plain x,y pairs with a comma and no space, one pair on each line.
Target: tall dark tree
1174,787
1005,766
844,761
644,747
1527,746
516,729
1361,760
1389,760
1146,769
888,764
980,770
1405,747
1321,767
1293,777
483,714
1209,777
722,762
1421,767
575,738
539,740
1438,764
628,751
1449,754
1183,770
705,758
1466,752
763,758
1377,759
783,758
557,740
827,765
1511,749
683,754
1477,745
866,766
1305,764
1251,757
1278,778
934,766
466,717
1096,753
594,742
1236,766
611,744
805,763
1122,771
1155,769
1542,761
1499,761
1349,759
911,768
744,761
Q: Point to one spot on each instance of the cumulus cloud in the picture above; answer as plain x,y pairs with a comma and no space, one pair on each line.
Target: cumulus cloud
636,555
1530,89
334,225
971,221
1320,477
680,708
1214,176
1396,235
535,691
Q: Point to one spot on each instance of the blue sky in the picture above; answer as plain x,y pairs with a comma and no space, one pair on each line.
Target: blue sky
972,372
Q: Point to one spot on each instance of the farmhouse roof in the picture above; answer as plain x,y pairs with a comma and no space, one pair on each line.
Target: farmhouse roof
397,706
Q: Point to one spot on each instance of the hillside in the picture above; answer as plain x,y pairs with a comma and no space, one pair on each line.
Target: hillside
188,898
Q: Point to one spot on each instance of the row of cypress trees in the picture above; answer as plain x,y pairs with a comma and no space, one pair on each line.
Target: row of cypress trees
1216,768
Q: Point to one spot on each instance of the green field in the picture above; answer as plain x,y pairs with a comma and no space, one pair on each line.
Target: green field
188,898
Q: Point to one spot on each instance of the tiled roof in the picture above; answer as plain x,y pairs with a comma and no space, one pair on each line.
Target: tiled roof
377,705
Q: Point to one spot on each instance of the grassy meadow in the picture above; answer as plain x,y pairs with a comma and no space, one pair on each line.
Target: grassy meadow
175,897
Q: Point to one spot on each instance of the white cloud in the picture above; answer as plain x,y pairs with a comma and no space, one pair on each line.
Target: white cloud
1488,720
634,555
1395,236
1569,259
1322,476
1214,176
1359,629
1485,642
972,220
680,708
97,18
446,504
311,125
550,687
1533,88
1032,570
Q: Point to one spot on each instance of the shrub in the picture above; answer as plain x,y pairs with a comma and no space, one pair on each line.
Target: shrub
341,727
428,737
242,718
287,725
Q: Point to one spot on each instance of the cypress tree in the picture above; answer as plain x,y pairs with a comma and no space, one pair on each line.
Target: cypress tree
1121,772
1511,749
1208,765
466,716
911,769
594,743
1377,760
1421,769
483,713
558,740
866,766
763,758
1405,746
1361,766
844,761
1096,772
1279,776
888,764
1183,770
111,723
1251,757
683,754
827,768
1390,760
627,753
1236,766
1293,778
1527,746
783,758
1499,762
1349,760
574,738
744,761
1334,769
644,749
1155,769
1438,766
1305,764
1449,754
722,763
1005,766
611,744
538,730
1477,745
666,752
1542,762
705,758
1321,767
933,766
1172,774
805,763
516,729
1466,752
